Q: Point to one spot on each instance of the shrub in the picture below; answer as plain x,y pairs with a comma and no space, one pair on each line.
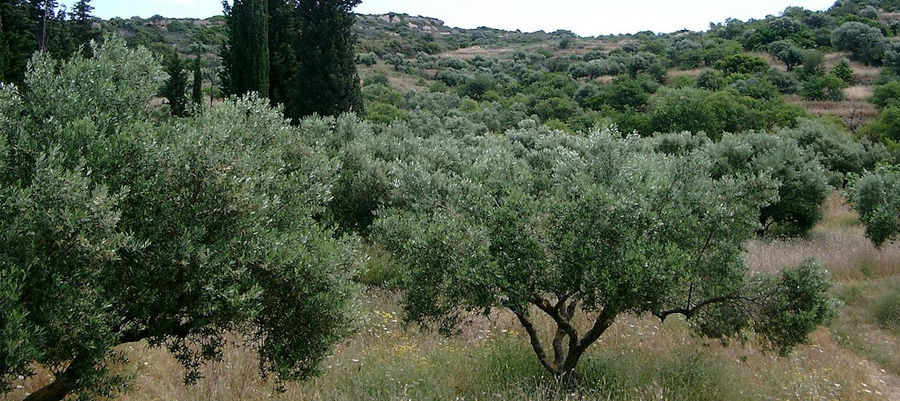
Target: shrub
886,310
886,95
686,53
398,60
813,64
559,108
827,87
711,80
843,71
741,64
625,93
865,42
892,59
475,87
802,188
785,82
835,148
876,197
378,78
382,94
367,59
755,87
869,12
788,52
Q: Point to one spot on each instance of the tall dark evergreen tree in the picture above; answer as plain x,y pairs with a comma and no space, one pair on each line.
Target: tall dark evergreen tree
175,88
197,88
83,31
328,83
283,31
19,37
4,50
246,53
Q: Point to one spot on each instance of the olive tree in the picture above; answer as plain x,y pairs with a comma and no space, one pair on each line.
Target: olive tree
876,196
865,42
788,52
801,181
543,223
120,224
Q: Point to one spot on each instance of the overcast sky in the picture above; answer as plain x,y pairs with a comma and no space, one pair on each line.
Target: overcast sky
584,17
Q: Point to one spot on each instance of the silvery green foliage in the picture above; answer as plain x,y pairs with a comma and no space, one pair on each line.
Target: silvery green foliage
836,149
121,225
801,181
876,196
537,220
866,42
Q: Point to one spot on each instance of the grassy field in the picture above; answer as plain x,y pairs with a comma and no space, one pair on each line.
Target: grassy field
638,359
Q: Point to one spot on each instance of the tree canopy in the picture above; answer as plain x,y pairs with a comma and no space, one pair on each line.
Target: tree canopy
120,227
536,221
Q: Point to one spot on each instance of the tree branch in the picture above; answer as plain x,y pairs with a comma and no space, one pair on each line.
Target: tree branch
536,343
689,311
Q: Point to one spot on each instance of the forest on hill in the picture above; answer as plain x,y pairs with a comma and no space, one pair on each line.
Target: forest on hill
292,200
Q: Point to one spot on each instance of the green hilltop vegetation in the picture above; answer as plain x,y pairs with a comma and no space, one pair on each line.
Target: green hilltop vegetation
753,74
293,201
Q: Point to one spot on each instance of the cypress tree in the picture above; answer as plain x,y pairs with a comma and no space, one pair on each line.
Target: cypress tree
83,31
197,89
4,51
283,30
327,80
175,87
246,54
19,37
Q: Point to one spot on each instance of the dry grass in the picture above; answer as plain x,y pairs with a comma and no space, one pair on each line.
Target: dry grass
477,50
637,359
861,71
838,243
770,60
858,92
693,73
855,111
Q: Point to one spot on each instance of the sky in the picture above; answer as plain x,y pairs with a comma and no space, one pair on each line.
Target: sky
584,17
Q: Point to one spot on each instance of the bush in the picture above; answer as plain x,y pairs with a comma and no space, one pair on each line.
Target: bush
695,110
802,188
876,197
755,87
835,148
886,127
843,71
711,80
625,93
865,42
827,87
786,82
788,52
741,64
559,108
892,58
813,64
869,12
367,59
378,78
475,87
886,95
